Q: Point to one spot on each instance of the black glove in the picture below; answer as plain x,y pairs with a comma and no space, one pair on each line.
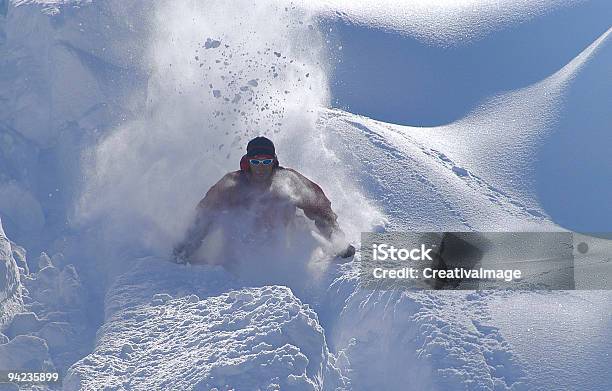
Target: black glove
348,252
179,254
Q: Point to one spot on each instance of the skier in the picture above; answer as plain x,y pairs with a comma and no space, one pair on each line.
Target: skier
263,192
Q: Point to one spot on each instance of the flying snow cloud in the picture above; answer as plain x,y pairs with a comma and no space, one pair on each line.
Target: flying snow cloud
221,73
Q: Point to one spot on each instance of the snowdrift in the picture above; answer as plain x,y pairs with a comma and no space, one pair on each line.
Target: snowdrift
202,332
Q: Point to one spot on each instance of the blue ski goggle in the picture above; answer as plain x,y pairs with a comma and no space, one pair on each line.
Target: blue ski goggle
257,162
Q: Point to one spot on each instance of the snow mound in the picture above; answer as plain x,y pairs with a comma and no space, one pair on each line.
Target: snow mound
25,352
196,333
471,174
420,185
430,340
44,323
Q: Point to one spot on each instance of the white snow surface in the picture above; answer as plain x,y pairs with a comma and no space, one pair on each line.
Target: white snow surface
203,332
487,181
440,22
10,285
134,105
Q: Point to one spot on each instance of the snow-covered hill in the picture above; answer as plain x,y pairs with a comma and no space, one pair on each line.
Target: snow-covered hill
116,117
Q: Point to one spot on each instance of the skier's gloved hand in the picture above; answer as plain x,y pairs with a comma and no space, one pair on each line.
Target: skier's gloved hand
179,254
348,252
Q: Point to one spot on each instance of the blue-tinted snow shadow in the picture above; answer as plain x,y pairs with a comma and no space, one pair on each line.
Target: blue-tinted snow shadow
574,168
395,78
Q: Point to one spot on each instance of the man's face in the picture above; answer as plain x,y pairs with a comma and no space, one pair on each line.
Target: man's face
261,172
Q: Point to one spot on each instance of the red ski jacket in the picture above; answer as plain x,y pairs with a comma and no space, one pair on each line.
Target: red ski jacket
266,205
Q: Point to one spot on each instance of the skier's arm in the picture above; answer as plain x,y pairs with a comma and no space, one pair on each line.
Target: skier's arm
317,207
325,219
205,215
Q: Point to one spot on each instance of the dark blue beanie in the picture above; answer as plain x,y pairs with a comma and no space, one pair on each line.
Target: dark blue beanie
260,146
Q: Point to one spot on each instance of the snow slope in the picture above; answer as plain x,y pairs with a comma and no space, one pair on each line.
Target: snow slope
478,173
453,340
489,182
120,114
